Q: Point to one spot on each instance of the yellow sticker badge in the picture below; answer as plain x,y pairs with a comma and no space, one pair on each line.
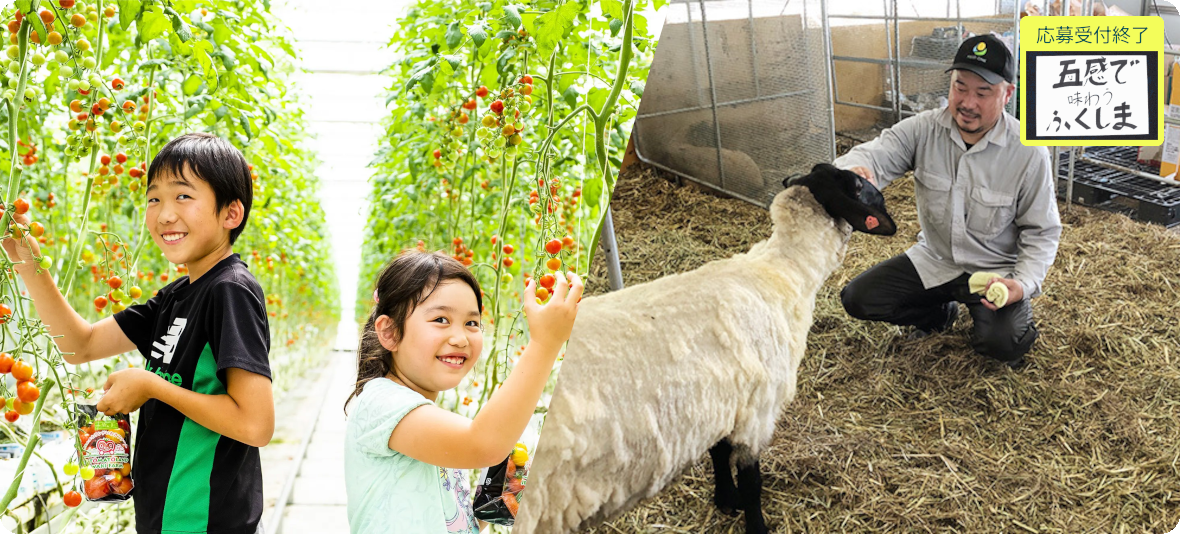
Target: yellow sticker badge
1091,81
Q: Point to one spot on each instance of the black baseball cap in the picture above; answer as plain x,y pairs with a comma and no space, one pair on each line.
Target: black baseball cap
986,56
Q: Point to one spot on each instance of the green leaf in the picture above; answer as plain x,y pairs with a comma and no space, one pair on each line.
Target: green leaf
478,34
615,26
39,27
455,60
637,87
191,84
201,49
153,62
419,76
129,10
512,16
152,25
221,33
570,95
454,35
505,33
612,8
24,5
178,25
245,122
597,97
554,26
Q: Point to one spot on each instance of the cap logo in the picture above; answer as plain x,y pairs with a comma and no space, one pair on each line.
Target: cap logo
980,49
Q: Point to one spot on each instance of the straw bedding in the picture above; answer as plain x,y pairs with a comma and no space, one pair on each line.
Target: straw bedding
890,435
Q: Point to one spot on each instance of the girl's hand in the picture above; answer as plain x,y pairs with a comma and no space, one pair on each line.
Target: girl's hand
24,250
550,324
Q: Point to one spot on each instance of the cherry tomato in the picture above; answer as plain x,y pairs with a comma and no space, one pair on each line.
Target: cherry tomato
482,91
511,502
508,249
553,246
23,408
5,363
22,370
526,79
70,469
542,293
117,84
553,264
11,416
72,499
100,302
96,488
27,391
20,205
567,242
547,282
115,282
497,107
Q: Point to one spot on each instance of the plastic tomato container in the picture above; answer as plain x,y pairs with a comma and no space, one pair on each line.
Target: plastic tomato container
106,448
497,499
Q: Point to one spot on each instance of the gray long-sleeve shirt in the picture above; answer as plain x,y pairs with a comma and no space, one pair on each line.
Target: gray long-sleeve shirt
990,208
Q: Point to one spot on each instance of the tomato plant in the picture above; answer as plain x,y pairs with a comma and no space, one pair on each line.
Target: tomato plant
91,90
519,191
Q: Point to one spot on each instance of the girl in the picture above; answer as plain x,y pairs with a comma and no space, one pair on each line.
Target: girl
402,453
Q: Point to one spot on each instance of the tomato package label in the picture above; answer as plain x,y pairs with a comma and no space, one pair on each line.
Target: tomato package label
106,454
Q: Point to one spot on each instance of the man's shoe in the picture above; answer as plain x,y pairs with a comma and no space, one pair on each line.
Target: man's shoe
952,313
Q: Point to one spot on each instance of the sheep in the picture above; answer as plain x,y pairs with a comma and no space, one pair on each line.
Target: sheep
659,373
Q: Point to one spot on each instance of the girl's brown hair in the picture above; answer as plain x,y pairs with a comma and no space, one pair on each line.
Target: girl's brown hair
403,284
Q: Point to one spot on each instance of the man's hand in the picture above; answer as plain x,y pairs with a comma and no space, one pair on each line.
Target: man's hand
127,390
1015,292
865,173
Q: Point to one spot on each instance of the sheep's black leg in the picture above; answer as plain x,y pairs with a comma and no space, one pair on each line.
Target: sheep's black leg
749,481
726,498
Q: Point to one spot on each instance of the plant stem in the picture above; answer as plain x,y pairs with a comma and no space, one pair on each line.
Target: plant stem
34,440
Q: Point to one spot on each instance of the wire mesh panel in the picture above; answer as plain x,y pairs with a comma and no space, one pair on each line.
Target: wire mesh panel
910,44
737,97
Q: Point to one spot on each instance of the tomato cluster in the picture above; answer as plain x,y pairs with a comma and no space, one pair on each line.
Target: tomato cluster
27,391
501,127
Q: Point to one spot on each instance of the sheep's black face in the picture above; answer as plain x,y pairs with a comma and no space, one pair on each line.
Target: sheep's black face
845,195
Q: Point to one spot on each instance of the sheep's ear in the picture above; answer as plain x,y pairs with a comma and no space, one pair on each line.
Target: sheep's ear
867,212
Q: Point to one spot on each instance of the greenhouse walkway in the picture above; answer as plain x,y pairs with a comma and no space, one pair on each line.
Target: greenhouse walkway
304,464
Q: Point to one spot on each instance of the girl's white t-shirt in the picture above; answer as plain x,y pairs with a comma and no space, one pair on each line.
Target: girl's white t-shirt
389,491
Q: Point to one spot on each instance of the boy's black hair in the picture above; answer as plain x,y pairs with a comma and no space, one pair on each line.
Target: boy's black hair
213,160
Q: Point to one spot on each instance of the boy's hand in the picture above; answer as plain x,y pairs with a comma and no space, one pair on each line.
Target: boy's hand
552,322
23,250
1015,292
127,390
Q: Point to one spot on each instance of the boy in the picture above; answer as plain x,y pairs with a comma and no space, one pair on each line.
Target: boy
205,388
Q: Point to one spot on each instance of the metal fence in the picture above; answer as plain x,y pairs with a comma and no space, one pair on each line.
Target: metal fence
738,95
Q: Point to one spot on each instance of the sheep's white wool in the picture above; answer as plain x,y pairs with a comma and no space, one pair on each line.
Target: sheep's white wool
657,373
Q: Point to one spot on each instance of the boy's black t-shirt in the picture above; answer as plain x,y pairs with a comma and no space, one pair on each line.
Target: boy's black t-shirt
188,478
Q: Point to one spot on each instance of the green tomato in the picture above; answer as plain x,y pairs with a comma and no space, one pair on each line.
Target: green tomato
30,94
118,293
506,278
14,67
141,141
95,80
9,95
60,56
494,152
87,472
88,63
457,132
46,262
525,107
13,52
38,59
13,82
510,151
65,71
73,84
83,85
70,469
139,126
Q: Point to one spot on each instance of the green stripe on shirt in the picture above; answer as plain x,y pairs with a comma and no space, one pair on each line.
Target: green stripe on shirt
186,507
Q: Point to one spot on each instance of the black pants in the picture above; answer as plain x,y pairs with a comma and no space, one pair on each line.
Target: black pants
892,291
